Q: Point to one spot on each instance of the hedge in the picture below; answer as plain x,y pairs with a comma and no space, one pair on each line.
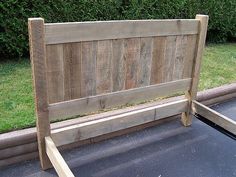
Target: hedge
14,15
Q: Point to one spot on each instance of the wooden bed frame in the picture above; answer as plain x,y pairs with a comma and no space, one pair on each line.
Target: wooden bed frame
84,67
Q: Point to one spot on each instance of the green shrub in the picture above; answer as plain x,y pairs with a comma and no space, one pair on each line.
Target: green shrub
14,15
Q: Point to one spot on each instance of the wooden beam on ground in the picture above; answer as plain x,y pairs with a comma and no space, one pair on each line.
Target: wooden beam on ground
215,117
57,160
192,93
94,103
107,125
88,31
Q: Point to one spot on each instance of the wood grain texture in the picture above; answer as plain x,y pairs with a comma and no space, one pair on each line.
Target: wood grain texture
181,47
169,58
94,103
103,67
88,69
144,66
95,128
118,65
55,73
38,61
57,160
215,117
103,30
192,93
189,55
132,57
72,70
158,60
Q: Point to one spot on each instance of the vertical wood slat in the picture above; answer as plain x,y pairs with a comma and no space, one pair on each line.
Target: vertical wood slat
132,56
191,95
169,58
88,69
55,73
158,59
118,65
38,60
103,67
189,56
72,70
181,44
144,66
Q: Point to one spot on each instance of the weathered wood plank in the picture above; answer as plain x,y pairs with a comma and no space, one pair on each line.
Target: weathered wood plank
88,31
215,117
57,160
132,57
181,46
144,66
103,68
191,95
109,100
169,58
55,73
75,71
88,69
158,59
72,70
95,128
38,61
189,56
118,65
67,57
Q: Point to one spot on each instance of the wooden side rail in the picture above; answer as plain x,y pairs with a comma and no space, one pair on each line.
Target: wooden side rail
87,31
94,103
56,159
215,117
95,128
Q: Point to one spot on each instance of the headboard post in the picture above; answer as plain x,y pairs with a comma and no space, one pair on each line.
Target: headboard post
38,60
192,93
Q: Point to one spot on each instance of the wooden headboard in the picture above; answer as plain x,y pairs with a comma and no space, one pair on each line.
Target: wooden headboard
83,67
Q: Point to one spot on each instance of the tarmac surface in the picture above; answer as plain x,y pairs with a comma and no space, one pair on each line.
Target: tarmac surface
167,150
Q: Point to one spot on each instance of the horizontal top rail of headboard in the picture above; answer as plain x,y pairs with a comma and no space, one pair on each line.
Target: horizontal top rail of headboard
56,33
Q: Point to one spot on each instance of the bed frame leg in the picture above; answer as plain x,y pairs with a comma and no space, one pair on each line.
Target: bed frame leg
192,93
38,60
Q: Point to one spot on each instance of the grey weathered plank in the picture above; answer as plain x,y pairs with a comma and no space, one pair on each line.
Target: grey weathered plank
158,60
103,67
118,65
169,58
55,73
132,57
88,69
38,61
109,100
88,31
189,55
72,70
144,66
95,128
181,46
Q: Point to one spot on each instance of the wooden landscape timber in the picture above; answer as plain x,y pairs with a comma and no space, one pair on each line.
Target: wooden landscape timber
84,67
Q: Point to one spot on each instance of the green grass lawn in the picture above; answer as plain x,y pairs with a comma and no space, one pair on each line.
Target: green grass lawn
16,96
